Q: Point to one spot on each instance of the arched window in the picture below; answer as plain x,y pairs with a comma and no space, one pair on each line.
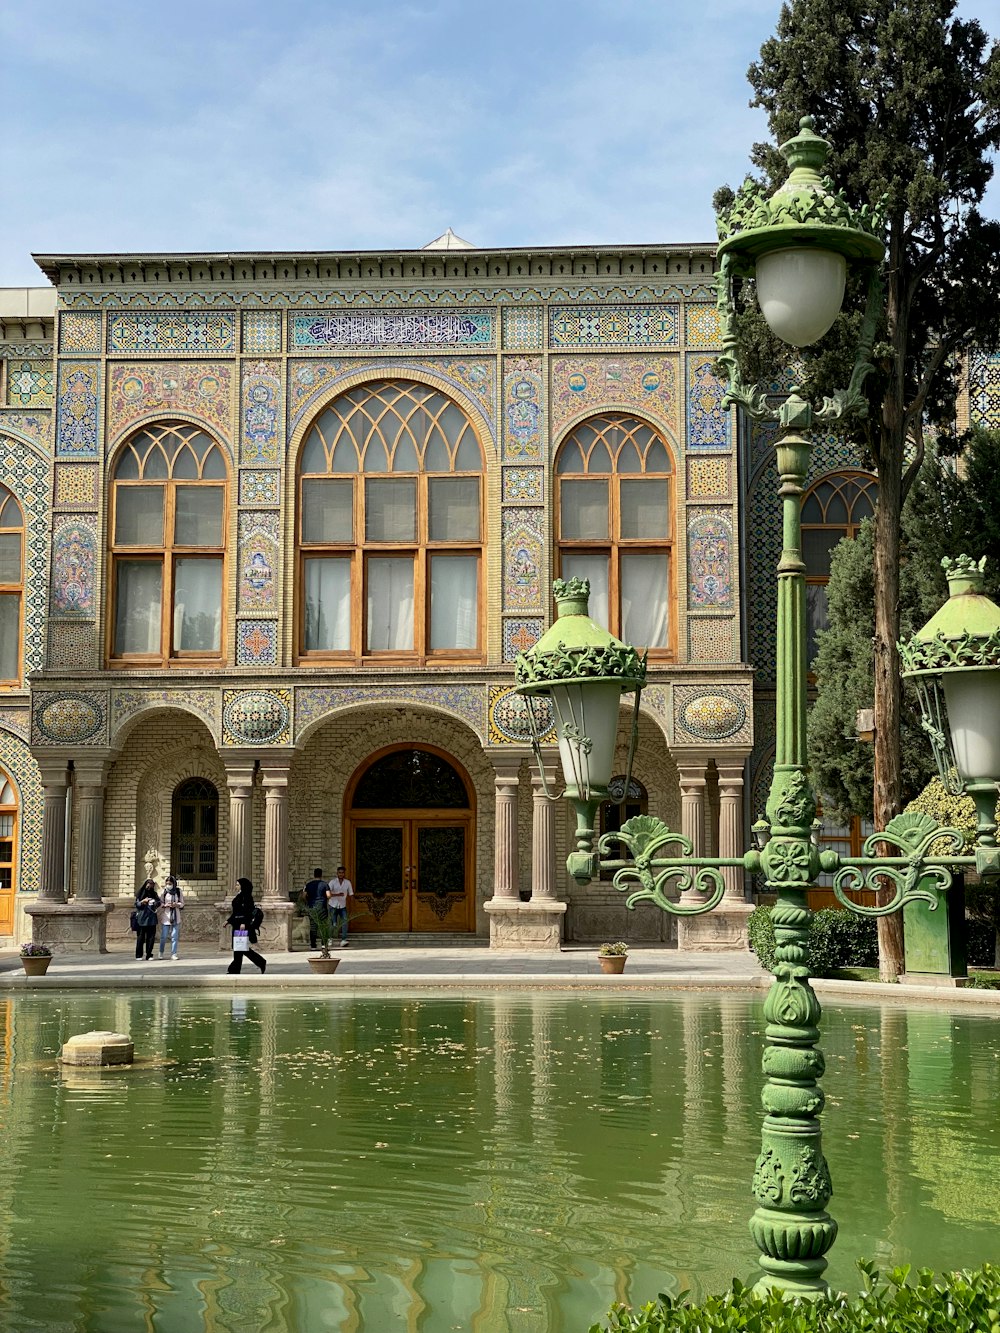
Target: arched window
615,525
168,532
194,841
11,587
390,527
619,808
835,507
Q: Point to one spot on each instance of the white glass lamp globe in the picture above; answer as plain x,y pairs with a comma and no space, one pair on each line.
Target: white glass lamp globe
973,701
800,291
587,709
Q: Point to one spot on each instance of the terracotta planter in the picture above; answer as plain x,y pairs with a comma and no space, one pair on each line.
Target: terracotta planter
38,966
324,965
612,963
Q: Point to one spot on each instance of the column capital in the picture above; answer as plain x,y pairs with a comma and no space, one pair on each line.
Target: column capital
53,772
92,770
240,774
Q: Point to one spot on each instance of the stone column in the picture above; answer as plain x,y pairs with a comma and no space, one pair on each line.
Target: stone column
730,824
78,926
505,858
692,779
515,925
279,911
91,780
543,847
240,784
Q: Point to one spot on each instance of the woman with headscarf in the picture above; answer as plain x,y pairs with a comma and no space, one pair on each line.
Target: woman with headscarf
147,900
169,915
245,918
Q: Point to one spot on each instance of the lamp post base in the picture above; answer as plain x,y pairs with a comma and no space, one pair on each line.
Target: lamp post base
724,929
533,927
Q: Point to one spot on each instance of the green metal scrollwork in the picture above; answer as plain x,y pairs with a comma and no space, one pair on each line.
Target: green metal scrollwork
644,836
913,834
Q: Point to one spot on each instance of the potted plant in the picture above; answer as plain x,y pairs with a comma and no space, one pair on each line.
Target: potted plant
35,958
612,956
320,919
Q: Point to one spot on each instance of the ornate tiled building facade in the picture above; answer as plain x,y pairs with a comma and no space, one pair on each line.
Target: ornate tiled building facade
252,357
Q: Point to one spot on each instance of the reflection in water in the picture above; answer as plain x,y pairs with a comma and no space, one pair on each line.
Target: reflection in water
498,1164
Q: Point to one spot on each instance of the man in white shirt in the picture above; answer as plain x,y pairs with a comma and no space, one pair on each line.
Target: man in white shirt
338,891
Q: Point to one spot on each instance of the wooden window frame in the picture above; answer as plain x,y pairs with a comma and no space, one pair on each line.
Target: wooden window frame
15,812
361,549
176,801
167,554
7,497
615,545
866,485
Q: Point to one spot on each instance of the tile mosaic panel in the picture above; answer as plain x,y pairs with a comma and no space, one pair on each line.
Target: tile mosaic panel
712,713
613,326
26,473
200,389
31,426
74,566
439,328
75,484
258,560
521,634
508,718
16,720
523,328
646,383
474,377
204,704
522,415
523,559
79,331
709,425
523,485
701,324
72,644
712,639
710,560
17,762
257,643
984,390
29,383
468,702
76,718
260,486
202,331
261,331
830,453
261,413
76,411
256,717
708,477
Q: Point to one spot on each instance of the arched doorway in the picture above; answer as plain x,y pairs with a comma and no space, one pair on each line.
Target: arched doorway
410,837
8,853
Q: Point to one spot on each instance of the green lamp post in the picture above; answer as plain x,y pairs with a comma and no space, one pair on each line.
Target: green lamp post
798,246
583,671
953,662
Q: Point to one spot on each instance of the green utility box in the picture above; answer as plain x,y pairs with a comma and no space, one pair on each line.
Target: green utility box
935,937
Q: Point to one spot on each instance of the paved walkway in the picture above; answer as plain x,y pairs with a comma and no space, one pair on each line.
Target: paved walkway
367,962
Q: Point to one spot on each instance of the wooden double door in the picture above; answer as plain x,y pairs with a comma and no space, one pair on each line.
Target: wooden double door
410,827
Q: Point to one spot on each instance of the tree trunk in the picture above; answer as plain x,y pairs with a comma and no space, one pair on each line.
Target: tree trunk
888,685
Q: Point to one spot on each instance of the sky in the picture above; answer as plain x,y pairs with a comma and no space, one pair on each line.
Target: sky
217,125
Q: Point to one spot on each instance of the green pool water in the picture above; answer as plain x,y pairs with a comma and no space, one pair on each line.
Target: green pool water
296,1164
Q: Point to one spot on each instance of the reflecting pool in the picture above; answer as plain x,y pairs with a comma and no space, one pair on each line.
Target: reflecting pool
502,1163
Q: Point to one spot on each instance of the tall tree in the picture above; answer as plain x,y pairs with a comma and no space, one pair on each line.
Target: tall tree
909,96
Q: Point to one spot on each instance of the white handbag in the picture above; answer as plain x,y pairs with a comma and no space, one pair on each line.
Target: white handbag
241,941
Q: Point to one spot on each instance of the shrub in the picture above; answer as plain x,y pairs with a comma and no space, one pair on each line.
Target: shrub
966,1302
837,939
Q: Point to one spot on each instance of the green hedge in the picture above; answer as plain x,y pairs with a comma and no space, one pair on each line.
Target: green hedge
967,1302
838,939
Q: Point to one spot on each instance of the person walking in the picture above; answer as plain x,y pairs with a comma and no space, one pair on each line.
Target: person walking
313,897
338,891
245,918
169,915
147,900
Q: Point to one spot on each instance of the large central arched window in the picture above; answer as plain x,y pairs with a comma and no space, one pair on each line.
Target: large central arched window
834,508
168,530
615,508
390,527
11,587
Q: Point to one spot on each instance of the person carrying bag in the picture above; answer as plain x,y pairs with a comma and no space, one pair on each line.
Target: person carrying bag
147,900
245,919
